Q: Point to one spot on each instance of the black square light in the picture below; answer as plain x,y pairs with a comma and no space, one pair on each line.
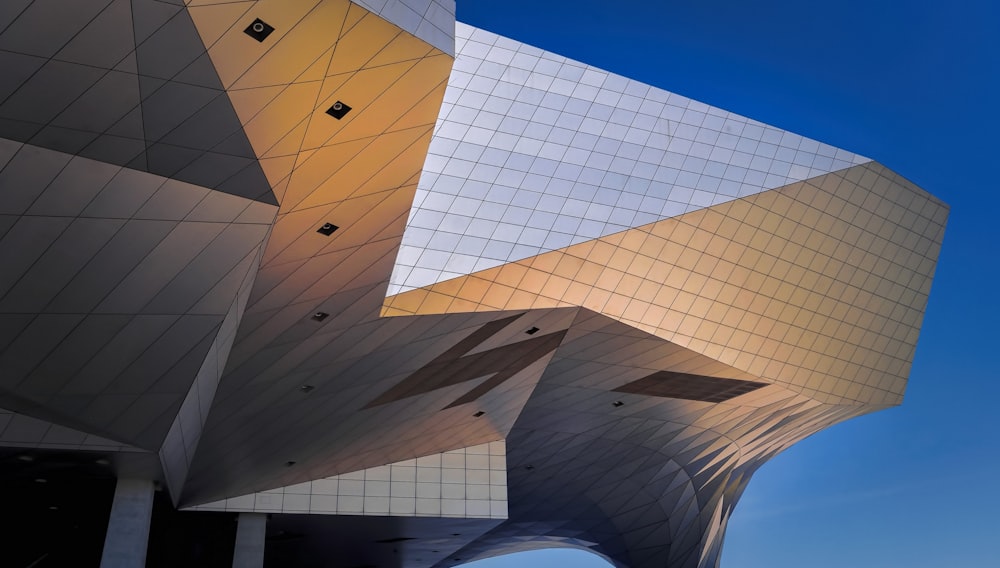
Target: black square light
338,110
320,316
259,30
532,331
478,414
327,229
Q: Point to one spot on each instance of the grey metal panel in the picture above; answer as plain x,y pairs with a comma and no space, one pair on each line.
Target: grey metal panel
128,247
73,188
154,271
106,107
18,67
24,243
57,266
105,40
27,175
35,31
49,91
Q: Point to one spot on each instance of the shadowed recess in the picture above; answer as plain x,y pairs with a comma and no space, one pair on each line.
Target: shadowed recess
668,384
451,368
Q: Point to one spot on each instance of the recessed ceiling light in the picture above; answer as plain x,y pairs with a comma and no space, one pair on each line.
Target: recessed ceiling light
306,388
320,316
617,403
102,461
53,508
327,229
289,463
478,414
41,480
338,110
259,30
532,331
26,458
529,467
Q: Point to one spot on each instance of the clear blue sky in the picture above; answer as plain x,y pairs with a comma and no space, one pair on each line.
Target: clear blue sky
916,86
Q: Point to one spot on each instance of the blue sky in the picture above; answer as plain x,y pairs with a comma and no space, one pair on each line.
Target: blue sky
916,86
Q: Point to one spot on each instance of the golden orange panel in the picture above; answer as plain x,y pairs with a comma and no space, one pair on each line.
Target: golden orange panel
359,91
534,279
589,273
511,274
545,262
363,40
311,173
379,97
233,54
555,287
497,295
453,286
521,299
435,303
474,289
271,114
302,53
387,162
576,293
635,310
665,296
615,306
408,302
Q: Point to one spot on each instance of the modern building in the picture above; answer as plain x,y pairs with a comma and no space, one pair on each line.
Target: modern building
395,291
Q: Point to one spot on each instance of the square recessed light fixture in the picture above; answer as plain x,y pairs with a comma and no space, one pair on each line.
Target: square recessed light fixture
338,110
327,229
320,316
532,331
617,403
259,30
478,414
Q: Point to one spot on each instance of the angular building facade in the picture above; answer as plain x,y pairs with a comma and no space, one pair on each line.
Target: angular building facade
419,293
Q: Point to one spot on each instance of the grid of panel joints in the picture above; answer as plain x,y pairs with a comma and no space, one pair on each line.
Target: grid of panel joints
21,431
466,483
430,20
614,162
712,267
74,215
88,75
717,267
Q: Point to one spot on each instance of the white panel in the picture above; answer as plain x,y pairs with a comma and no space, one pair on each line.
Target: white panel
534,152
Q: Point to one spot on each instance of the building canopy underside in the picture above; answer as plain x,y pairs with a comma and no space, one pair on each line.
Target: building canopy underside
397,278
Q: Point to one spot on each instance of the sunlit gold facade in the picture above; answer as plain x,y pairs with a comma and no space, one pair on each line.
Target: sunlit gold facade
820,285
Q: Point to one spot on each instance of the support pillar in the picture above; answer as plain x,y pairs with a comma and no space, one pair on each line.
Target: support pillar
250,531
128,528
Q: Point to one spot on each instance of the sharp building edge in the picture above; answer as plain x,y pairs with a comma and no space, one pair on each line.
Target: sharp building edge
397,280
